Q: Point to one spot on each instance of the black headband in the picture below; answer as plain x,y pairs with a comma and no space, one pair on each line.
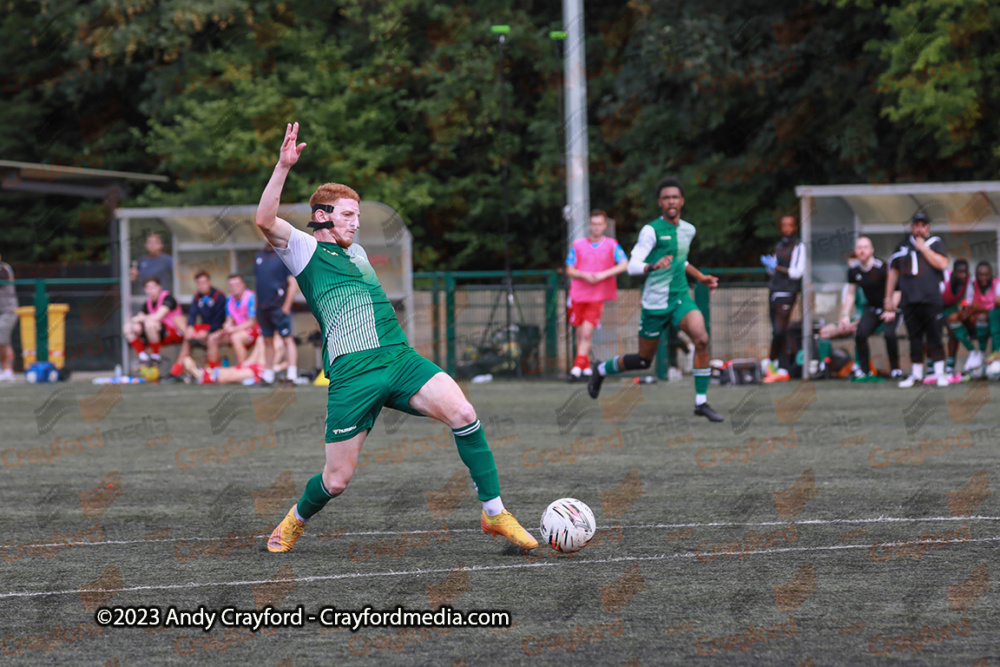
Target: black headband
321,225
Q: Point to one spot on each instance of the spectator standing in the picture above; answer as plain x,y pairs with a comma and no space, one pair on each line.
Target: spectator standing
155,263
8,318
786,267
592,264
276,289
918,267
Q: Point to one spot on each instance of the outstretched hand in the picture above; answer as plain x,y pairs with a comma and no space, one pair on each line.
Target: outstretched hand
711,282
290,152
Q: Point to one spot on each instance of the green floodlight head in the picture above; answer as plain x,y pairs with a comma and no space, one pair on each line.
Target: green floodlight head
500,29
558,35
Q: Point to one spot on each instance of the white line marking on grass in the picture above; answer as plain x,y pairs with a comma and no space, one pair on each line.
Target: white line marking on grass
647,526
881,519
474,568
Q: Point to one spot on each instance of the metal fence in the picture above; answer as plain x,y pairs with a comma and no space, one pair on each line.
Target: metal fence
478,325
460,320
93,333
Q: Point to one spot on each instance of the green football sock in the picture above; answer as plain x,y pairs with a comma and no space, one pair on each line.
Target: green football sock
962,334
611,366
983,335
314,498
995,328
477,457
702,376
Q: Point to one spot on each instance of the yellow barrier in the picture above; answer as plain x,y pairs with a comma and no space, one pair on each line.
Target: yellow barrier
57,334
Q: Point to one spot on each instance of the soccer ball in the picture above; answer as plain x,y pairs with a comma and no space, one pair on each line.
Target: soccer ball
993,370
150,373
568,525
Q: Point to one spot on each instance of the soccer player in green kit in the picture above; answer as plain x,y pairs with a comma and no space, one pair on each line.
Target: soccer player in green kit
365,354
661,254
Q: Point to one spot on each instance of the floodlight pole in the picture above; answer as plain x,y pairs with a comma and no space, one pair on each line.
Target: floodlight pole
501,31
577,157
558,37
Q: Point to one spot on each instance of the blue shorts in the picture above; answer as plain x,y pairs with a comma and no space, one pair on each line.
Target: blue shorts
273,320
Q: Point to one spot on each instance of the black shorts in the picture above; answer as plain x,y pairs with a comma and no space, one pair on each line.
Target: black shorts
273,320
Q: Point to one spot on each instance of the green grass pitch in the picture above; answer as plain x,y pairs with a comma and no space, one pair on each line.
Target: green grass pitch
824,524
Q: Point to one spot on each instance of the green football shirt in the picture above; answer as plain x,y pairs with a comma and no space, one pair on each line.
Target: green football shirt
656,240
344,295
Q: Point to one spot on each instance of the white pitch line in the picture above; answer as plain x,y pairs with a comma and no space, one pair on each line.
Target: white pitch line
881,519
641,526
475,568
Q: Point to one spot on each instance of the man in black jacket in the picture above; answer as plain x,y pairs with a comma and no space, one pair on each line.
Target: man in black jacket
786,267
918,267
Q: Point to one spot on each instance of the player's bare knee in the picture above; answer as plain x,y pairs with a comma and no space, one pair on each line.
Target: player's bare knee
336,480
701,342
464,415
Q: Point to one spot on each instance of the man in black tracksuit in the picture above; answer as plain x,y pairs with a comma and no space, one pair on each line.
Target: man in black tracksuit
786,267
918,266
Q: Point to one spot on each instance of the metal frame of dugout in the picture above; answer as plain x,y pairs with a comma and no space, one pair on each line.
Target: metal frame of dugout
964,214
223,240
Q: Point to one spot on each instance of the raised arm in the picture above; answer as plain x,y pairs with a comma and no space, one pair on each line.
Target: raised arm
937,260
276,230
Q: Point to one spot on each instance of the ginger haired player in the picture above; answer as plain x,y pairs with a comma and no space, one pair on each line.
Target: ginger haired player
366,355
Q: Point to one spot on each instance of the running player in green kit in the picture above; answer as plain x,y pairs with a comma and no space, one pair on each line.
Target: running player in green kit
661,253
365,354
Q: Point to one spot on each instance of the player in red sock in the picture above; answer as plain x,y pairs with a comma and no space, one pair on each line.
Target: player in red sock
592,263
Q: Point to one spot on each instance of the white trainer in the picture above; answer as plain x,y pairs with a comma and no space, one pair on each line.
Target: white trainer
974,360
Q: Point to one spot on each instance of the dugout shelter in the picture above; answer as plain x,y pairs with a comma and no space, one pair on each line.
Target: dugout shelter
963,214
224,240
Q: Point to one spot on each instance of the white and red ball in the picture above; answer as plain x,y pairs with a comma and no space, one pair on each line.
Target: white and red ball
568,525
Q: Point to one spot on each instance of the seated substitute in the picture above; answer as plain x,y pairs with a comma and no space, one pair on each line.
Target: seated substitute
208,306
159,323
981,315
953,292
366,355
251,371
240,328
870,274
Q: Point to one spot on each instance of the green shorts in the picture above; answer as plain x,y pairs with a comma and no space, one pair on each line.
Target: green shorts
653,322
363,382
